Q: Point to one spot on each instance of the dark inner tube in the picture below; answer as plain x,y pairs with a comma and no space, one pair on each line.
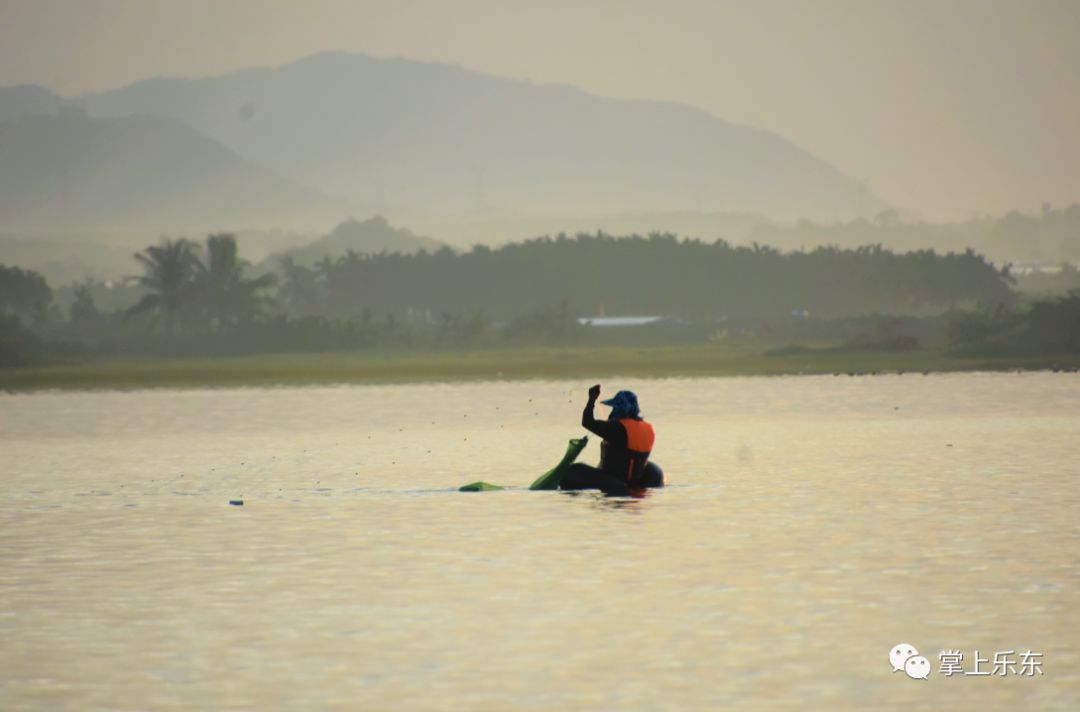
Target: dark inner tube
584,477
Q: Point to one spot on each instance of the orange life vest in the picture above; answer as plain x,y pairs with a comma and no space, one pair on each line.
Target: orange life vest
639,441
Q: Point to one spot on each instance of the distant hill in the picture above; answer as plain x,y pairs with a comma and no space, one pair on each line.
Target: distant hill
1028,241
62,260
418,140
372,236
67,170
26,100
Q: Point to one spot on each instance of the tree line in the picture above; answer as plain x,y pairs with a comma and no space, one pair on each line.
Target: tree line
654,275
204,299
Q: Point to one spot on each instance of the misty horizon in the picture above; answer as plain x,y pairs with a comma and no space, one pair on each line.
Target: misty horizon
947,112
870,204
366,136
473,217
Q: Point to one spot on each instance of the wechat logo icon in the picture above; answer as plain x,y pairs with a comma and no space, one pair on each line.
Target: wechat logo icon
904,657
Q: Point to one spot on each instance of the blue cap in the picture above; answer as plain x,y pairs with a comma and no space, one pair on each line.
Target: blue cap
624,402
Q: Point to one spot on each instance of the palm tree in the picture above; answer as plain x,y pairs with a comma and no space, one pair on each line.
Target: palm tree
300,288
227,296
169,272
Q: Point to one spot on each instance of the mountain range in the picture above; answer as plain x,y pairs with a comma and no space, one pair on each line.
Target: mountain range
68,170
307,143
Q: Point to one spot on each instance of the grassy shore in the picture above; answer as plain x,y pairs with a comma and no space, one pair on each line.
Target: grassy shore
508,364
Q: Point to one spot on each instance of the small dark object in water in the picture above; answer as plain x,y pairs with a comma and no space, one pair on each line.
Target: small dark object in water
236,502
580,476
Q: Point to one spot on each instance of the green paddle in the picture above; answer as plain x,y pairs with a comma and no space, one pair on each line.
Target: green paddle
547,481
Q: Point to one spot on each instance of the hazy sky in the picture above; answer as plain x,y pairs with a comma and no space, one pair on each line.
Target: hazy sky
947,108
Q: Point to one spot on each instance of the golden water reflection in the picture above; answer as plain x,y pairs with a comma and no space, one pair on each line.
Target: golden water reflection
811,525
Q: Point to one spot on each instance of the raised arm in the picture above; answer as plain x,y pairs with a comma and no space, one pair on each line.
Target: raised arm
607,431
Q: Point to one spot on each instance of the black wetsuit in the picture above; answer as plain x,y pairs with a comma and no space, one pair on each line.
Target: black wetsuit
611,475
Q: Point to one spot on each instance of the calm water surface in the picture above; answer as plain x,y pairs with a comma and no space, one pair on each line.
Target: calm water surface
812,524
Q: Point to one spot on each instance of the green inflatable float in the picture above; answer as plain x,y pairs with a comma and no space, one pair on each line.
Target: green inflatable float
547,481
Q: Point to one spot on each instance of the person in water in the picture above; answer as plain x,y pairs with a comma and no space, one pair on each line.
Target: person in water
624,453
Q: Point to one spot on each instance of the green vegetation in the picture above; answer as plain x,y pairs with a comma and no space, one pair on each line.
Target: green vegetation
23,293
658,274
514,312
509,364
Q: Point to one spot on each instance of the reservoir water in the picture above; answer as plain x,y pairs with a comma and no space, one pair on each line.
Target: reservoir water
811,524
